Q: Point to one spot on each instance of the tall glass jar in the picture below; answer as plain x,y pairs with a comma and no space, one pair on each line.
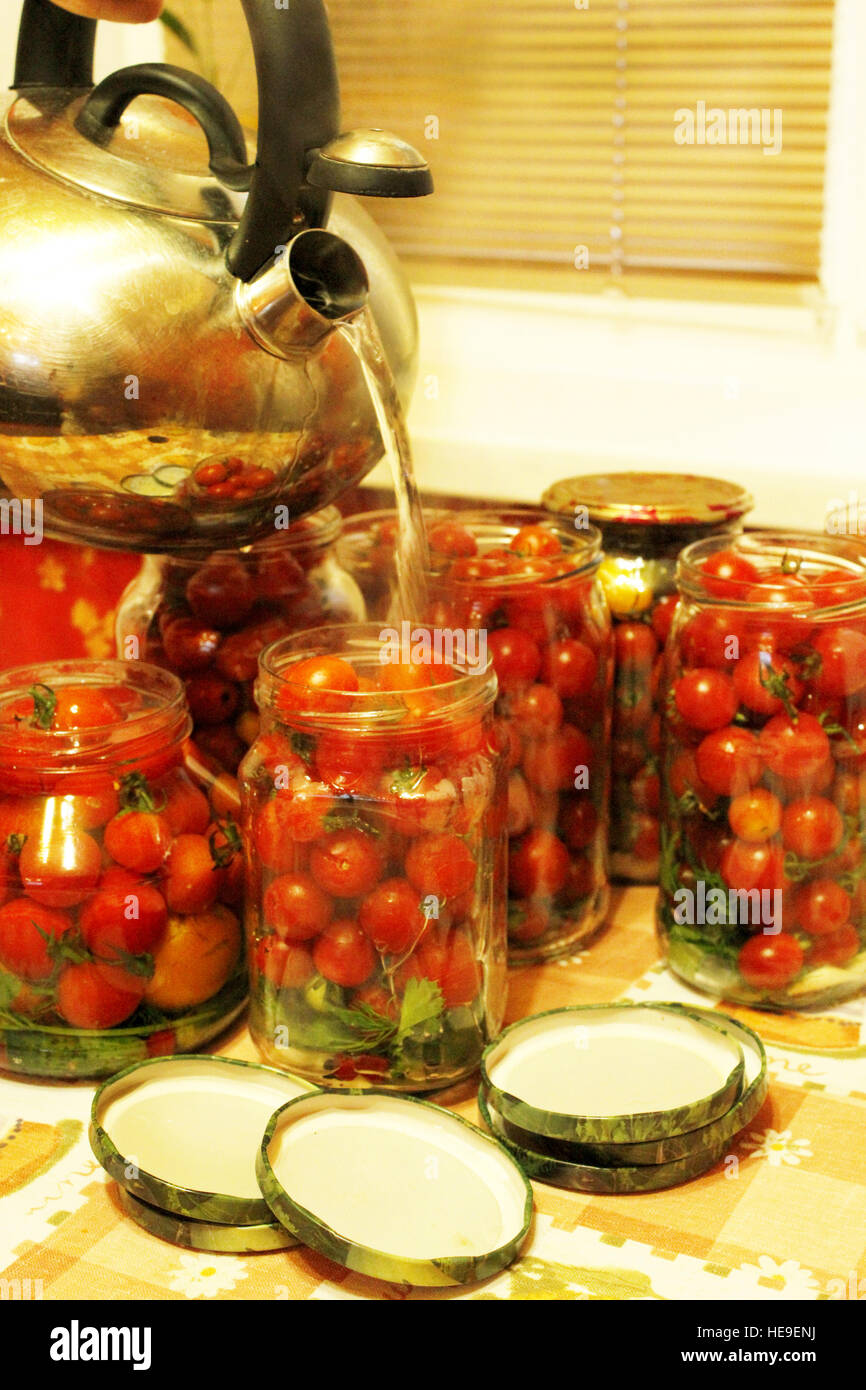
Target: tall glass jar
120,887
527,587
367,550
207,619
375,837
646,519
763,882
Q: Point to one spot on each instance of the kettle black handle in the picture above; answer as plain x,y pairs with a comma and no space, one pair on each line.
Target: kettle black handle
100,115
55,48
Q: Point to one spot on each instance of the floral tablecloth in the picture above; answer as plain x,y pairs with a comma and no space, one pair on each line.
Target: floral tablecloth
783,1217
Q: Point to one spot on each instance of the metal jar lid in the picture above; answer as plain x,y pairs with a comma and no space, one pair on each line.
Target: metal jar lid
648,499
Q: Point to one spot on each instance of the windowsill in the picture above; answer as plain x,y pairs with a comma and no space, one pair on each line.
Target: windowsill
519,387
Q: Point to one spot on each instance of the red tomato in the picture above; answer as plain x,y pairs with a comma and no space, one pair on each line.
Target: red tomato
420,800
189,645
296,907
635,645
646,791
713,637
347,863
821,907
663,616
746,865
728,575
792,749
536,540
60,867
538,865
320,685
836,948
24,927
126,914
139,840
348,762
441,865
759,675
391,915
211,698
87,999
286,964
516,658
784,602
842,672
450,538
344,954
728,761
186,809
812,827
450,962
553,764
755,815
238,656
192,879
705,698
579,823
771,962
570,668
83,707
537,712
221,593
275,827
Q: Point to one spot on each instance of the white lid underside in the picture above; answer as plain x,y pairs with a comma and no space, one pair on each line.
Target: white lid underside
196,1124
398,1178
613,1062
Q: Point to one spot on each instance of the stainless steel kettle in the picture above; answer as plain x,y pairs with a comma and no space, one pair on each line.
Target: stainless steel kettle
173,374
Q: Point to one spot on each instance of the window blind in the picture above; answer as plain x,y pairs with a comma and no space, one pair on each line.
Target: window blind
614,134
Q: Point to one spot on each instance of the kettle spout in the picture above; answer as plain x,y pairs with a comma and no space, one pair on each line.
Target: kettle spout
312,285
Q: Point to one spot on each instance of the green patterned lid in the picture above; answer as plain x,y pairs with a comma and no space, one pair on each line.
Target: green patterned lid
207,1236
612,1073
394,1188
182,1133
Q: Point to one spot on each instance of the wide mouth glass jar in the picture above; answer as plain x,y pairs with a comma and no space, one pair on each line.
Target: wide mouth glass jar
120,887
528,586
367,550
763,880
646,520
207,619
375,836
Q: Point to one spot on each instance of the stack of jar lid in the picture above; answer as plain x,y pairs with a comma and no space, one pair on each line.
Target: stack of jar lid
227,1156
623,1097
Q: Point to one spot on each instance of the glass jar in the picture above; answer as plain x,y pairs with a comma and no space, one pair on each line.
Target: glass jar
763,881
208,619
646,519
375,834
367,551
526,588
120,887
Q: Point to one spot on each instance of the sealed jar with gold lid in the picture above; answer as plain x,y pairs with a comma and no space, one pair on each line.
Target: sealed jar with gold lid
646,519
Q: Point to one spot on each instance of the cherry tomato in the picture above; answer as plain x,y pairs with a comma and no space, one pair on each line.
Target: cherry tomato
812,827
285,821
450,538
87,999
126,915
379,999
579,823
821,907
705,698
421,800
663,616
728,575
746,865
221,593
646,791
536,540
635,645
538,865
516,658
441,865
762,678
794,749
554,764
296,907
83,707
321,685
211,698
26,928
139,840
728,760
347,864
842,671
836,948
755,815
238,656
286,964
450,962
344,954
190,645
192,880
783,603
713,637
347,762
186,808
770,962
537,712
60,867
569,668
392,917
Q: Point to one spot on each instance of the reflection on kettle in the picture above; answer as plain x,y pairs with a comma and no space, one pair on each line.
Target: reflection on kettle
170,365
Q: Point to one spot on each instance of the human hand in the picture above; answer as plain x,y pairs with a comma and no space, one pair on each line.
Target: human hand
127,11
